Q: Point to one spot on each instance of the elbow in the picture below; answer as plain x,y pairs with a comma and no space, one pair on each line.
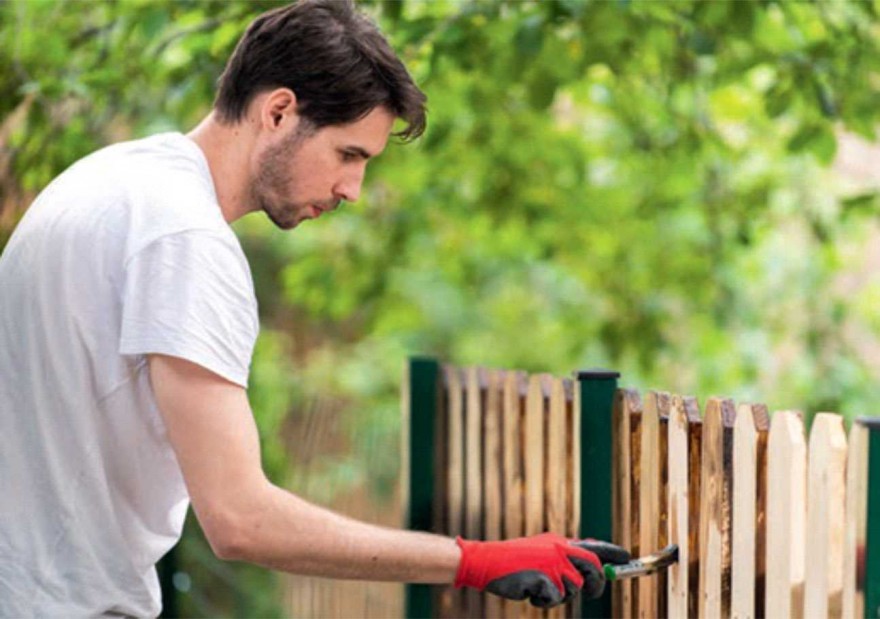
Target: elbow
228,537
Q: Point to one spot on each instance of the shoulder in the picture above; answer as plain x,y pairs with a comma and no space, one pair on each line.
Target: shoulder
165,188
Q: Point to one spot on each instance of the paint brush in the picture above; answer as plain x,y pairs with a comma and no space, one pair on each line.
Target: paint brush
644,565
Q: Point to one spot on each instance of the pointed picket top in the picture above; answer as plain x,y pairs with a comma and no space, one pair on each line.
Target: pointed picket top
786,515
826,498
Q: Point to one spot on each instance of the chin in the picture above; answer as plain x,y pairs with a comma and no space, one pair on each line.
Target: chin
283,224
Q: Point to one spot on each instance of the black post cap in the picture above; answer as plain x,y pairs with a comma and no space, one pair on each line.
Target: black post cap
596,374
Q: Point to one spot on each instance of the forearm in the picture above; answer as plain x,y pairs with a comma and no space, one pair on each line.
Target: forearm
281,531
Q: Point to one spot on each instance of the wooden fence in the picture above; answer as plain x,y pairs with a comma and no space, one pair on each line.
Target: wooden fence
770,521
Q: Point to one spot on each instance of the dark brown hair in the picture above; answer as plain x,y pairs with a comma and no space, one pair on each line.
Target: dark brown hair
331,56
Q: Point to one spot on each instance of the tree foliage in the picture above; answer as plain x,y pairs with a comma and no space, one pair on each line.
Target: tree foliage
637,184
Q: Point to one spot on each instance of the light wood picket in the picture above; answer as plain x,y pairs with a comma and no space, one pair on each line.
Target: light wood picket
536,404
762,421
473,457
826,498
556,463
534,455
649,500
855,535
452,601
751,422
664,404
493,472
627,403
786,515
715,508
695,459
678,503
513,415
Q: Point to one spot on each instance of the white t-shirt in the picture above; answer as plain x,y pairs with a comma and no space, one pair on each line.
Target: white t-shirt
124,254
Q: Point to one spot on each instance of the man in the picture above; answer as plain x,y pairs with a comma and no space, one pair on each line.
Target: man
127,323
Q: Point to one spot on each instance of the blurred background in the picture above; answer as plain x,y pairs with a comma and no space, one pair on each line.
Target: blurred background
683,191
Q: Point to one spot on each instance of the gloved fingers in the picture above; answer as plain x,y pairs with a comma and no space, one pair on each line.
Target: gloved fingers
594,578
545,594
605,551
572,551
571,589
528,584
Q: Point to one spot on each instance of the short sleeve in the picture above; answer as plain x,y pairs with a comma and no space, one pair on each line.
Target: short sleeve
190,295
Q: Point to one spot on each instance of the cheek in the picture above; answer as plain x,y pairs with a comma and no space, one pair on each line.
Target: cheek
318,173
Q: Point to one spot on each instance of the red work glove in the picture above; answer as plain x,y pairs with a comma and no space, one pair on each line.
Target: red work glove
548,569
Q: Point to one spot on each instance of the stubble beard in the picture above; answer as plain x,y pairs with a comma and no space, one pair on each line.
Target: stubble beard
272,181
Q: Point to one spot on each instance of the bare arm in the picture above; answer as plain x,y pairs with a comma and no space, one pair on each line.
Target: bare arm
245,517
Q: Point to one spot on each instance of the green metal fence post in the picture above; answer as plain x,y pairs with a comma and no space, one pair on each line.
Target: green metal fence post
422,404
872,542
597,389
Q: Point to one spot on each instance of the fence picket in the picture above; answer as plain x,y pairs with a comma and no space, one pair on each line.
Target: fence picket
536,403
649,501
626,404
762,422
826,496
473,467
534,456
856,522
572,470
665,403
695,459
573,407
452,600
750,419
715,509
492,472
556,460
681,415
513,414
786,515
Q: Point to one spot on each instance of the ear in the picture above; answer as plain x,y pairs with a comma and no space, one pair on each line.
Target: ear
278,110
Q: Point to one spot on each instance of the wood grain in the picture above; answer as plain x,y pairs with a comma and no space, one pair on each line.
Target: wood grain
493,508
745,492
786,515
650,509
626,404
826,499
715,508
856,529
678,504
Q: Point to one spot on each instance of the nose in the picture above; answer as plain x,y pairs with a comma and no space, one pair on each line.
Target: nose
349,188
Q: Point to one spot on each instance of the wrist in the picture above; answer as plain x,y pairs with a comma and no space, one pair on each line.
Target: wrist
469,573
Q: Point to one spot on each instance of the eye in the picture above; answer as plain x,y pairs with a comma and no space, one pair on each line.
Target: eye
349,156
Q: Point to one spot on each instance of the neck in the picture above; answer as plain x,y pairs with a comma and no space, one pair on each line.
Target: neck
228,149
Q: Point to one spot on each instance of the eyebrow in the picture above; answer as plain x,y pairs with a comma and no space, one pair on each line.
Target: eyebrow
357,150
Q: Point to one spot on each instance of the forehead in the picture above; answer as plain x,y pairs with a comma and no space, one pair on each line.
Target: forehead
370,132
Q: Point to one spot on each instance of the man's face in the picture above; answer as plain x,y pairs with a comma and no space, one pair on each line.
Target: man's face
308,172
